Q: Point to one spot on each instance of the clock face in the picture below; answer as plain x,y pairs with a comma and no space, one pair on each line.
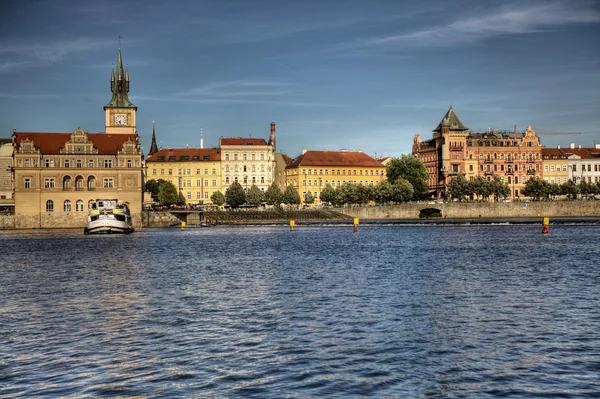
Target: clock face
120,120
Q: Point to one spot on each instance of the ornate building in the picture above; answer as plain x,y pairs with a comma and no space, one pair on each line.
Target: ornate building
57,174
313,170
248,161
514,157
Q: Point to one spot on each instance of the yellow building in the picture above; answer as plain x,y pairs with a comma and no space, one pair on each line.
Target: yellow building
555,165
196,172
313,170
56,175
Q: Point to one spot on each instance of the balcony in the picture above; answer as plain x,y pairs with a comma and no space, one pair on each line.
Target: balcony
531,171
489,161
67,188
489,172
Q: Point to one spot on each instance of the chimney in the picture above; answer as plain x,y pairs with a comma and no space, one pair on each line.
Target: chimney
572,146
515,128
559,147
303,151
201,139
272,136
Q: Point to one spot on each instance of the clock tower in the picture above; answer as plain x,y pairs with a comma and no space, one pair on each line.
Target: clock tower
120,112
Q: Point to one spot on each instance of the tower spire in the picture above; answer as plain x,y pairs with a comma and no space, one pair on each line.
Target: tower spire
119,85
153,146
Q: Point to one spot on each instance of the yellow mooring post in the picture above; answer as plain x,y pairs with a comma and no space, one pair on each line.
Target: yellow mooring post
355,225
292,224
546,225
182,225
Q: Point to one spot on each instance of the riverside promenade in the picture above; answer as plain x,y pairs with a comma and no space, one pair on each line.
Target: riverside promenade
481,211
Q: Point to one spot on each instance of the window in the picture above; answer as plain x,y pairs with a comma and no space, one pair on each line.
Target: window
154,172
27,163
179,171
108,163
108,183
49,206
189,195
67,163
189,183
206,195
235,157
253,180
262,157
253,157
49,183
214,171
214,183
67,206
162,171
198,171
198,182
129,163
227,180
227,157
79,163
79,206
170,171
262,180
91,164
245,157
205,182
198,195
49,163
189,171
27,182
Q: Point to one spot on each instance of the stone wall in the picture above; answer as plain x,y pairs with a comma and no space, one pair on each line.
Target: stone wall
159,219
474,210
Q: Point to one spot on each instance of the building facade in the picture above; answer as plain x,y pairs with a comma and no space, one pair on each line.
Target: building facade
514,157
314,170
578,164
195,172
56,175
248,161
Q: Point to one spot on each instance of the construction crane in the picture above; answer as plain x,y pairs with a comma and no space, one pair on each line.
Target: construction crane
556,133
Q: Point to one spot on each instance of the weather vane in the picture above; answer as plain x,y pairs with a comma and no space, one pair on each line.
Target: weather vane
120,37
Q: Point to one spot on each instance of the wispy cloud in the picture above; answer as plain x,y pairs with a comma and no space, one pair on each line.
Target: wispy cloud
473,29
19,55
27,96
239,88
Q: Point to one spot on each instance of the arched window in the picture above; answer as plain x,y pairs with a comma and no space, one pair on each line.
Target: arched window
67,206
91,183
49,206
79,206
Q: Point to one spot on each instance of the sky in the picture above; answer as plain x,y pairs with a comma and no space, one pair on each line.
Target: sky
332,74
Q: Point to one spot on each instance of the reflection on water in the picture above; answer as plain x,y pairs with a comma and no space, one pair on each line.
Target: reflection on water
402,311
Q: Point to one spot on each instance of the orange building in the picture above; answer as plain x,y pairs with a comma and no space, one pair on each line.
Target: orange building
514,157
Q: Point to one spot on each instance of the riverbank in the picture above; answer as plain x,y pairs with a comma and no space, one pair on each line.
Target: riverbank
448,213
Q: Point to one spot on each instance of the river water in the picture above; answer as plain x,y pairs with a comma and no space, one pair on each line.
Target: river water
262,312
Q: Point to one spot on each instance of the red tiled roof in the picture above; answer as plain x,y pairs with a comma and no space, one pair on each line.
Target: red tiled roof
584,153
51,143
242,141
167,153
335,158
286,159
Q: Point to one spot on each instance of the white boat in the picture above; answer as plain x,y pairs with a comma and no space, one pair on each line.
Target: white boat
108,216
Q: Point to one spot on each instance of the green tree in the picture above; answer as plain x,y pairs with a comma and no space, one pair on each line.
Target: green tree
499,188
586,189
308,198
535,188
255,197
273,195
328,193
412,169
458,187
217,198
383,192
402,190
290,196
365,194
180,199
167,193
235,195
153,186
481,187
349,193
570,189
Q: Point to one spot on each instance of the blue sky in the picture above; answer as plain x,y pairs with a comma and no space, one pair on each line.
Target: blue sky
332,74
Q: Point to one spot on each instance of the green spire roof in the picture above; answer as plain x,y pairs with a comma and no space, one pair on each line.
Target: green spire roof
119,85
452,121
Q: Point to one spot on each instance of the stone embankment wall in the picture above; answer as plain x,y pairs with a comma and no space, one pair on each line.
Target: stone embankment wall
160,219
474,210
